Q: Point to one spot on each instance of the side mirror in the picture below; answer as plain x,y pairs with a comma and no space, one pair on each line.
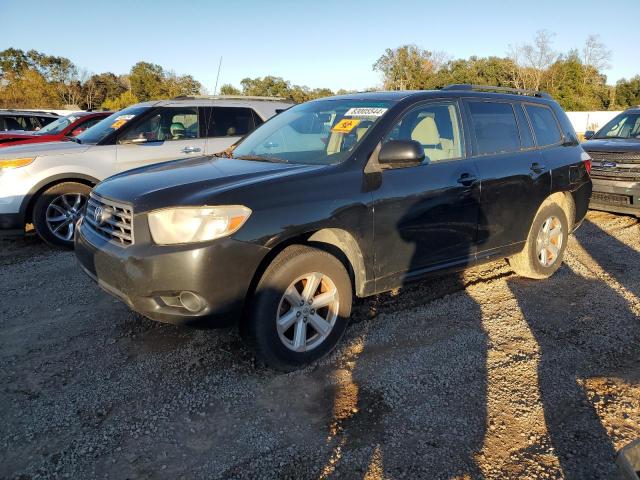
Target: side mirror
588,134
400,154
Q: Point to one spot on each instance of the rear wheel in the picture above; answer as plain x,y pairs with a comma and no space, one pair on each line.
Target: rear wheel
57,210
544,249
301,308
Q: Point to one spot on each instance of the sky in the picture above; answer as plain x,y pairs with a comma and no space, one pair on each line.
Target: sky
324,43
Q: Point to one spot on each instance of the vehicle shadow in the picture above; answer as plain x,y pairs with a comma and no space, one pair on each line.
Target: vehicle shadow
434,412
615,257
576,342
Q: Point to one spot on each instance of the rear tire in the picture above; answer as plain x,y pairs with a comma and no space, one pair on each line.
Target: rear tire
544,249
56,211
301,308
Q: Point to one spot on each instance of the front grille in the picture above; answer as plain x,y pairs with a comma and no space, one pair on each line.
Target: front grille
618,157
611,198
625,174
111,220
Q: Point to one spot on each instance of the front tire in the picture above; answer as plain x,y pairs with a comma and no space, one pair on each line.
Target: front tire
56,211
544,249
301,308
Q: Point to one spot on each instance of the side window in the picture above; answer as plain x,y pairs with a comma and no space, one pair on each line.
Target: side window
230,122
257,121
169,124
23,122
436,127
544,125
525,130
88,124
495,127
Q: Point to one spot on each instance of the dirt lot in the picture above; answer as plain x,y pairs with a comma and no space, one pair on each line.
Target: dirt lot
481,375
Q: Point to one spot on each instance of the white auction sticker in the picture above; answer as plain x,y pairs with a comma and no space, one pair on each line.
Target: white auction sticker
365,112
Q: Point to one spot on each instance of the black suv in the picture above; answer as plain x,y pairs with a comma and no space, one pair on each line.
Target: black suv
342,196
615,150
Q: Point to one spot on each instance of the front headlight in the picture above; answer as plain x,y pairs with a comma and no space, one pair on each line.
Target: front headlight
16,162
196,224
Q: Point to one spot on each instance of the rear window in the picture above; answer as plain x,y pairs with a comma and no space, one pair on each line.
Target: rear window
544,125
495,127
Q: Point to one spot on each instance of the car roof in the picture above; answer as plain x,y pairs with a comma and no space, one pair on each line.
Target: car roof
35,113
633,110
219,101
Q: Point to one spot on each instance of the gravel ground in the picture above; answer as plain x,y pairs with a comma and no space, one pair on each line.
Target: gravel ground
478,375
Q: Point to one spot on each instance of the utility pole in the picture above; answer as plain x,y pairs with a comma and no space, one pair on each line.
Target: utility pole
215,89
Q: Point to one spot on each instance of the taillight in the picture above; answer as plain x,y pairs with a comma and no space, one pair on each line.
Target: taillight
586,160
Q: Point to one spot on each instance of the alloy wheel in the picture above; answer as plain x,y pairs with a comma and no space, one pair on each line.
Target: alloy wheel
307,312
63,213
549,241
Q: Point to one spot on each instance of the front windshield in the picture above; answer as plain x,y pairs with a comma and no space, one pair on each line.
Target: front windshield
322,132
58,126
110,124
625,125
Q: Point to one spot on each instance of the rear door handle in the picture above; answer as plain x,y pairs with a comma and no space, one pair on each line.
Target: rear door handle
191,149
537,167
467,179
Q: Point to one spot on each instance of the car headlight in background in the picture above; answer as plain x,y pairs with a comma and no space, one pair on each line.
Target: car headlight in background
196,224
16,162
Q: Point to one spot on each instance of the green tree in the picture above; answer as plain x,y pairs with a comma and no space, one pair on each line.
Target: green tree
122,101
627,93
146,81
228,89
408,67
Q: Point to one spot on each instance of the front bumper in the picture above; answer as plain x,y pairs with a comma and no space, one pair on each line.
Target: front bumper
150,278
616,196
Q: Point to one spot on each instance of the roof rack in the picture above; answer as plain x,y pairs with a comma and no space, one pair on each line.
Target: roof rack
490,88
231,97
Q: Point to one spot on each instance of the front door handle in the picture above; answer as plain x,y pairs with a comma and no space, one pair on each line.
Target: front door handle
467,179
537,167
191,149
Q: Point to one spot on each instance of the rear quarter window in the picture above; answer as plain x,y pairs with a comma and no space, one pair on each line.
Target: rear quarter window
494,127
545,125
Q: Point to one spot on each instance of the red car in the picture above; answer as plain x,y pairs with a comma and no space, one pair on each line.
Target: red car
59,130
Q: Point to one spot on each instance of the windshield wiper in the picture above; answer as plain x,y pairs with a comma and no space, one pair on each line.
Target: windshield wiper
259,158
75,139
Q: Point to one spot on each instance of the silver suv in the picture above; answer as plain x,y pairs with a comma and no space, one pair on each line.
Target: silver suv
48,183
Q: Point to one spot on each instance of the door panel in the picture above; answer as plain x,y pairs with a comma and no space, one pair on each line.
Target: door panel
512,190
138,155
514,180
425,216
218,144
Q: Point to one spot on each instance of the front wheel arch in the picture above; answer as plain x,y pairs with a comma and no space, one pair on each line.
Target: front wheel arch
32,197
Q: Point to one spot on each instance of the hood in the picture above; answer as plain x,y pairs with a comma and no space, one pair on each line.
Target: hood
612,145
190,182
41,149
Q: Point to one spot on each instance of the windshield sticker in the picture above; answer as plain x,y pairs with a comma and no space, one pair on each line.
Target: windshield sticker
345,125
72,118
121,120
365,112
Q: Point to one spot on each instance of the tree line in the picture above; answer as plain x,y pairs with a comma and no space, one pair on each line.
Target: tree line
575,78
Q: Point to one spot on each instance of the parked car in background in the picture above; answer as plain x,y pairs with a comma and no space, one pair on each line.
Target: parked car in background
615,150
60,129
48,183
342,196
25,120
